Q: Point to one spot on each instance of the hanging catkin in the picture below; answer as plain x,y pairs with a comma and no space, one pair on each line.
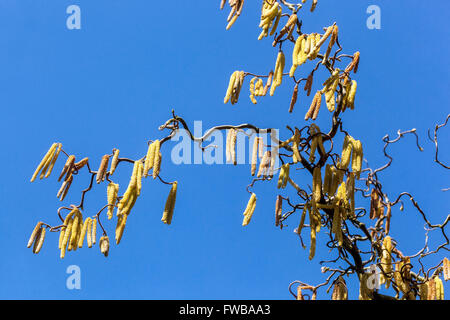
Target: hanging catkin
248,213
114,161
101,173
254,156
44,160
317,184
170,204
157,159
278,210
112,192
293,99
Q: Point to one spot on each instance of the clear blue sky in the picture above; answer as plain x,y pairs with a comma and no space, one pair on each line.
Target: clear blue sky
112,83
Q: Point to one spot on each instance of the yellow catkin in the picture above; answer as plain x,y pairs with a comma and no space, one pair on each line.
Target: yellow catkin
67,169
302,56
281,176
64,188
43,161
277,20
278,75
351,192
439,289
334,35
351,95
140,169
248,213
317,184
104,245
233,139
157,161
114,161
67,233
227,147
129,198
94,230
326,187
230,87
170,204
336,226
65,223
302,219
346,152
254,156
55,157
34,234
313,5
299,293
252,90
47,164
89,233
39,241
150,158
87,221
446,269
293,98
386,260
121,222
101,173
295,145
357,157
295,52
423,291
75,225
232,21
111,192
312,250
278,210
264,165
286,175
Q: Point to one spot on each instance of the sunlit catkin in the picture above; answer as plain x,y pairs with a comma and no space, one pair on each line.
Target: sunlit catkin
94,230
248,213
439,288
39,240
170,204
352,94
104,245
278,210
34,234
44,161
230,87
149,159
121,222
446,269
101,173
264,165
54,158
317,184
83,232
75,229
157,163
114,161
67,233
111,193
278,75
254,156
293,98
233,139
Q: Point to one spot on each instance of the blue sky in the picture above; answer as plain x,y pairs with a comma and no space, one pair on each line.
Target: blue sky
112,83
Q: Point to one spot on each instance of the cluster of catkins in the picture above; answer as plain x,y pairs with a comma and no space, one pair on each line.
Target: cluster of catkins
74,228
